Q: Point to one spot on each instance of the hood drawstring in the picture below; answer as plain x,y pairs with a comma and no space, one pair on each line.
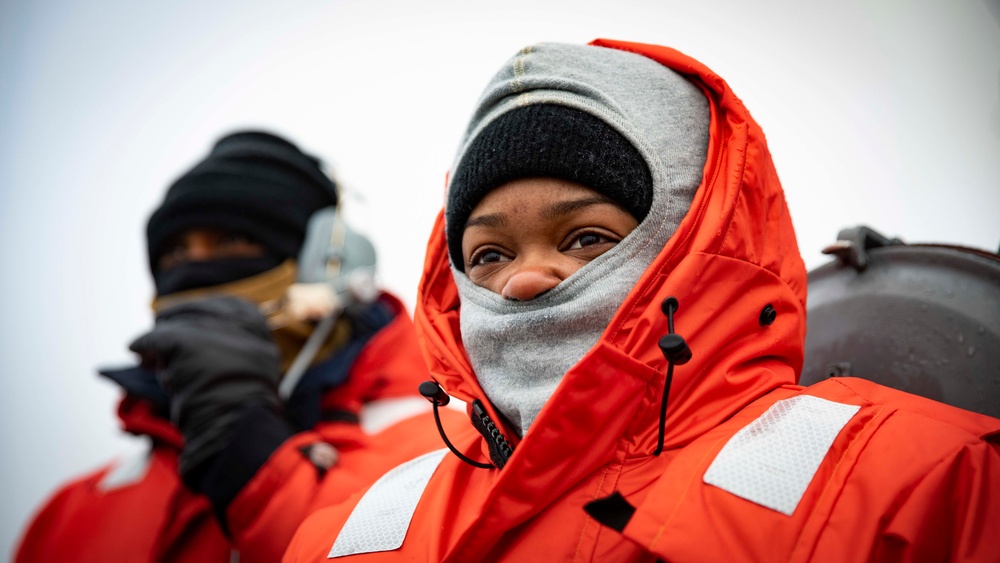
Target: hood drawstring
436,395
677,352
673,346
614,510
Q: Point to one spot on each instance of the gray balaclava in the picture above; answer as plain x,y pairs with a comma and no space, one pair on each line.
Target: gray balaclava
520,350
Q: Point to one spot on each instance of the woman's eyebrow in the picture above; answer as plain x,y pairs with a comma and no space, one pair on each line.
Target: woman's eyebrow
566,207
492,220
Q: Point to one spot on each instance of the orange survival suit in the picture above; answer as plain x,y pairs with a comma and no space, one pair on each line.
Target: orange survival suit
140,510
753,466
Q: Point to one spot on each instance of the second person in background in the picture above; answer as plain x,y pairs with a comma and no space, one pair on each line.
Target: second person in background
226,248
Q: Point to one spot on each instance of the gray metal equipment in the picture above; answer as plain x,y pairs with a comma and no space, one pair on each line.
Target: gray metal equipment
332,252
335,255
922,318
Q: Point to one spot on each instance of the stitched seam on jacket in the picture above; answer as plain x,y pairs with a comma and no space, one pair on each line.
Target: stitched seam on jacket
977,437
739,190
716,170
586,521
696,476
826,487
649,289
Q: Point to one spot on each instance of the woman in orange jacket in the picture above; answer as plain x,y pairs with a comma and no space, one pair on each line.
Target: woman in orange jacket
234,466
615,289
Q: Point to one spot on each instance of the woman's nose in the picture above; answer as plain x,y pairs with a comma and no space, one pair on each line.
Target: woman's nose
529,283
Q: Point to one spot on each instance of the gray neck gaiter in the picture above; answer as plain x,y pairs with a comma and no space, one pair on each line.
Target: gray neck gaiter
520,350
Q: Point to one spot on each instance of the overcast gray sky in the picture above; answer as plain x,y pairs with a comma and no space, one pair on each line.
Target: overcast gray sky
883,113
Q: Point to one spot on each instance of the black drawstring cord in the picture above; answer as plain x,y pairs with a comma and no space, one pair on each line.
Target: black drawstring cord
674,349
677,352
436,395
614,510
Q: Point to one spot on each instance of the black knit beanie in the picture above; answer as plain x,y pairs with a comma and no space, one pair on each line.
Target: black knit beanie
546,140
252,183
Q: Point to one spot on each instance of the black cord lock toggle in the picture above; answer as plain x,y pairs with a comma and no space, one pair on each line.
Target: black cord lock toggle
675,349
677,352
673,346
436,395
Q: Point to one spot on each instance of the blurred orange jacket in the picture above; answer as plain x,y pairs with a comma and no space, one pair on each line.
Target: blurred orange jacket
142,512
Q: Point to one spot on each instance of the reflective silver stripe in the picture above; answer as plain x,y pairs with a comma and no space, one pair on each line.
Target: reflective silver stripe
382,516
773,459
378,415
128,471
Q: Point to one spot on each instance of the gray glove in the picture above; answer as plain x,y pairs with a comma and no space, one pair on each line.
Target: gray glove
214,358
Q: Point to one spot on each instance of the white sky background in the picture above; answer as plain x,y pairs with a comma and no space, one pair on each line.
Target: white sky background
886,116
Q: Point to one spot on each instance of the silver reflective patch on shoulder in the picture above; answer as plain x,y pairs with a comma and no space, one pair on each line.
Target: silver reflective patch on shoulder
380,414
382,516
773,459
129,471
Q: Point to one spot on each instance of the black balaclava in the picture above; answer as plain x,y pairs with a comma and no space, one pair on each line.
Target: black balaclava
252,183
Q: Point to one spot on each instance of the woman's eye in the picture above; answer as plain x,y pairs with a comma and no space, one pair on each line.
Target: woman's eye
487,257
590,239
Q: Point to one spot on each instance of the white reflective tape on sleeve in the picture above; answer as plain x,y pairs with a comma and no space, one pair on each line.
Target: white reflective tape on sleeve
382,516
772,460
129,471
378,415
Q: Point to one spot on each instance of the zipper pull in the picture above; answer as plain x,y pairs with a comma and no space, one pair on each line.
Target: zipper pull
500,449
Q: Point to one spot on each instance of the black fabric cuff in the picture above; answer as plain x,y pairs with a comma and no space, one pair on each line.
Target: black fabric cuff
257,433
